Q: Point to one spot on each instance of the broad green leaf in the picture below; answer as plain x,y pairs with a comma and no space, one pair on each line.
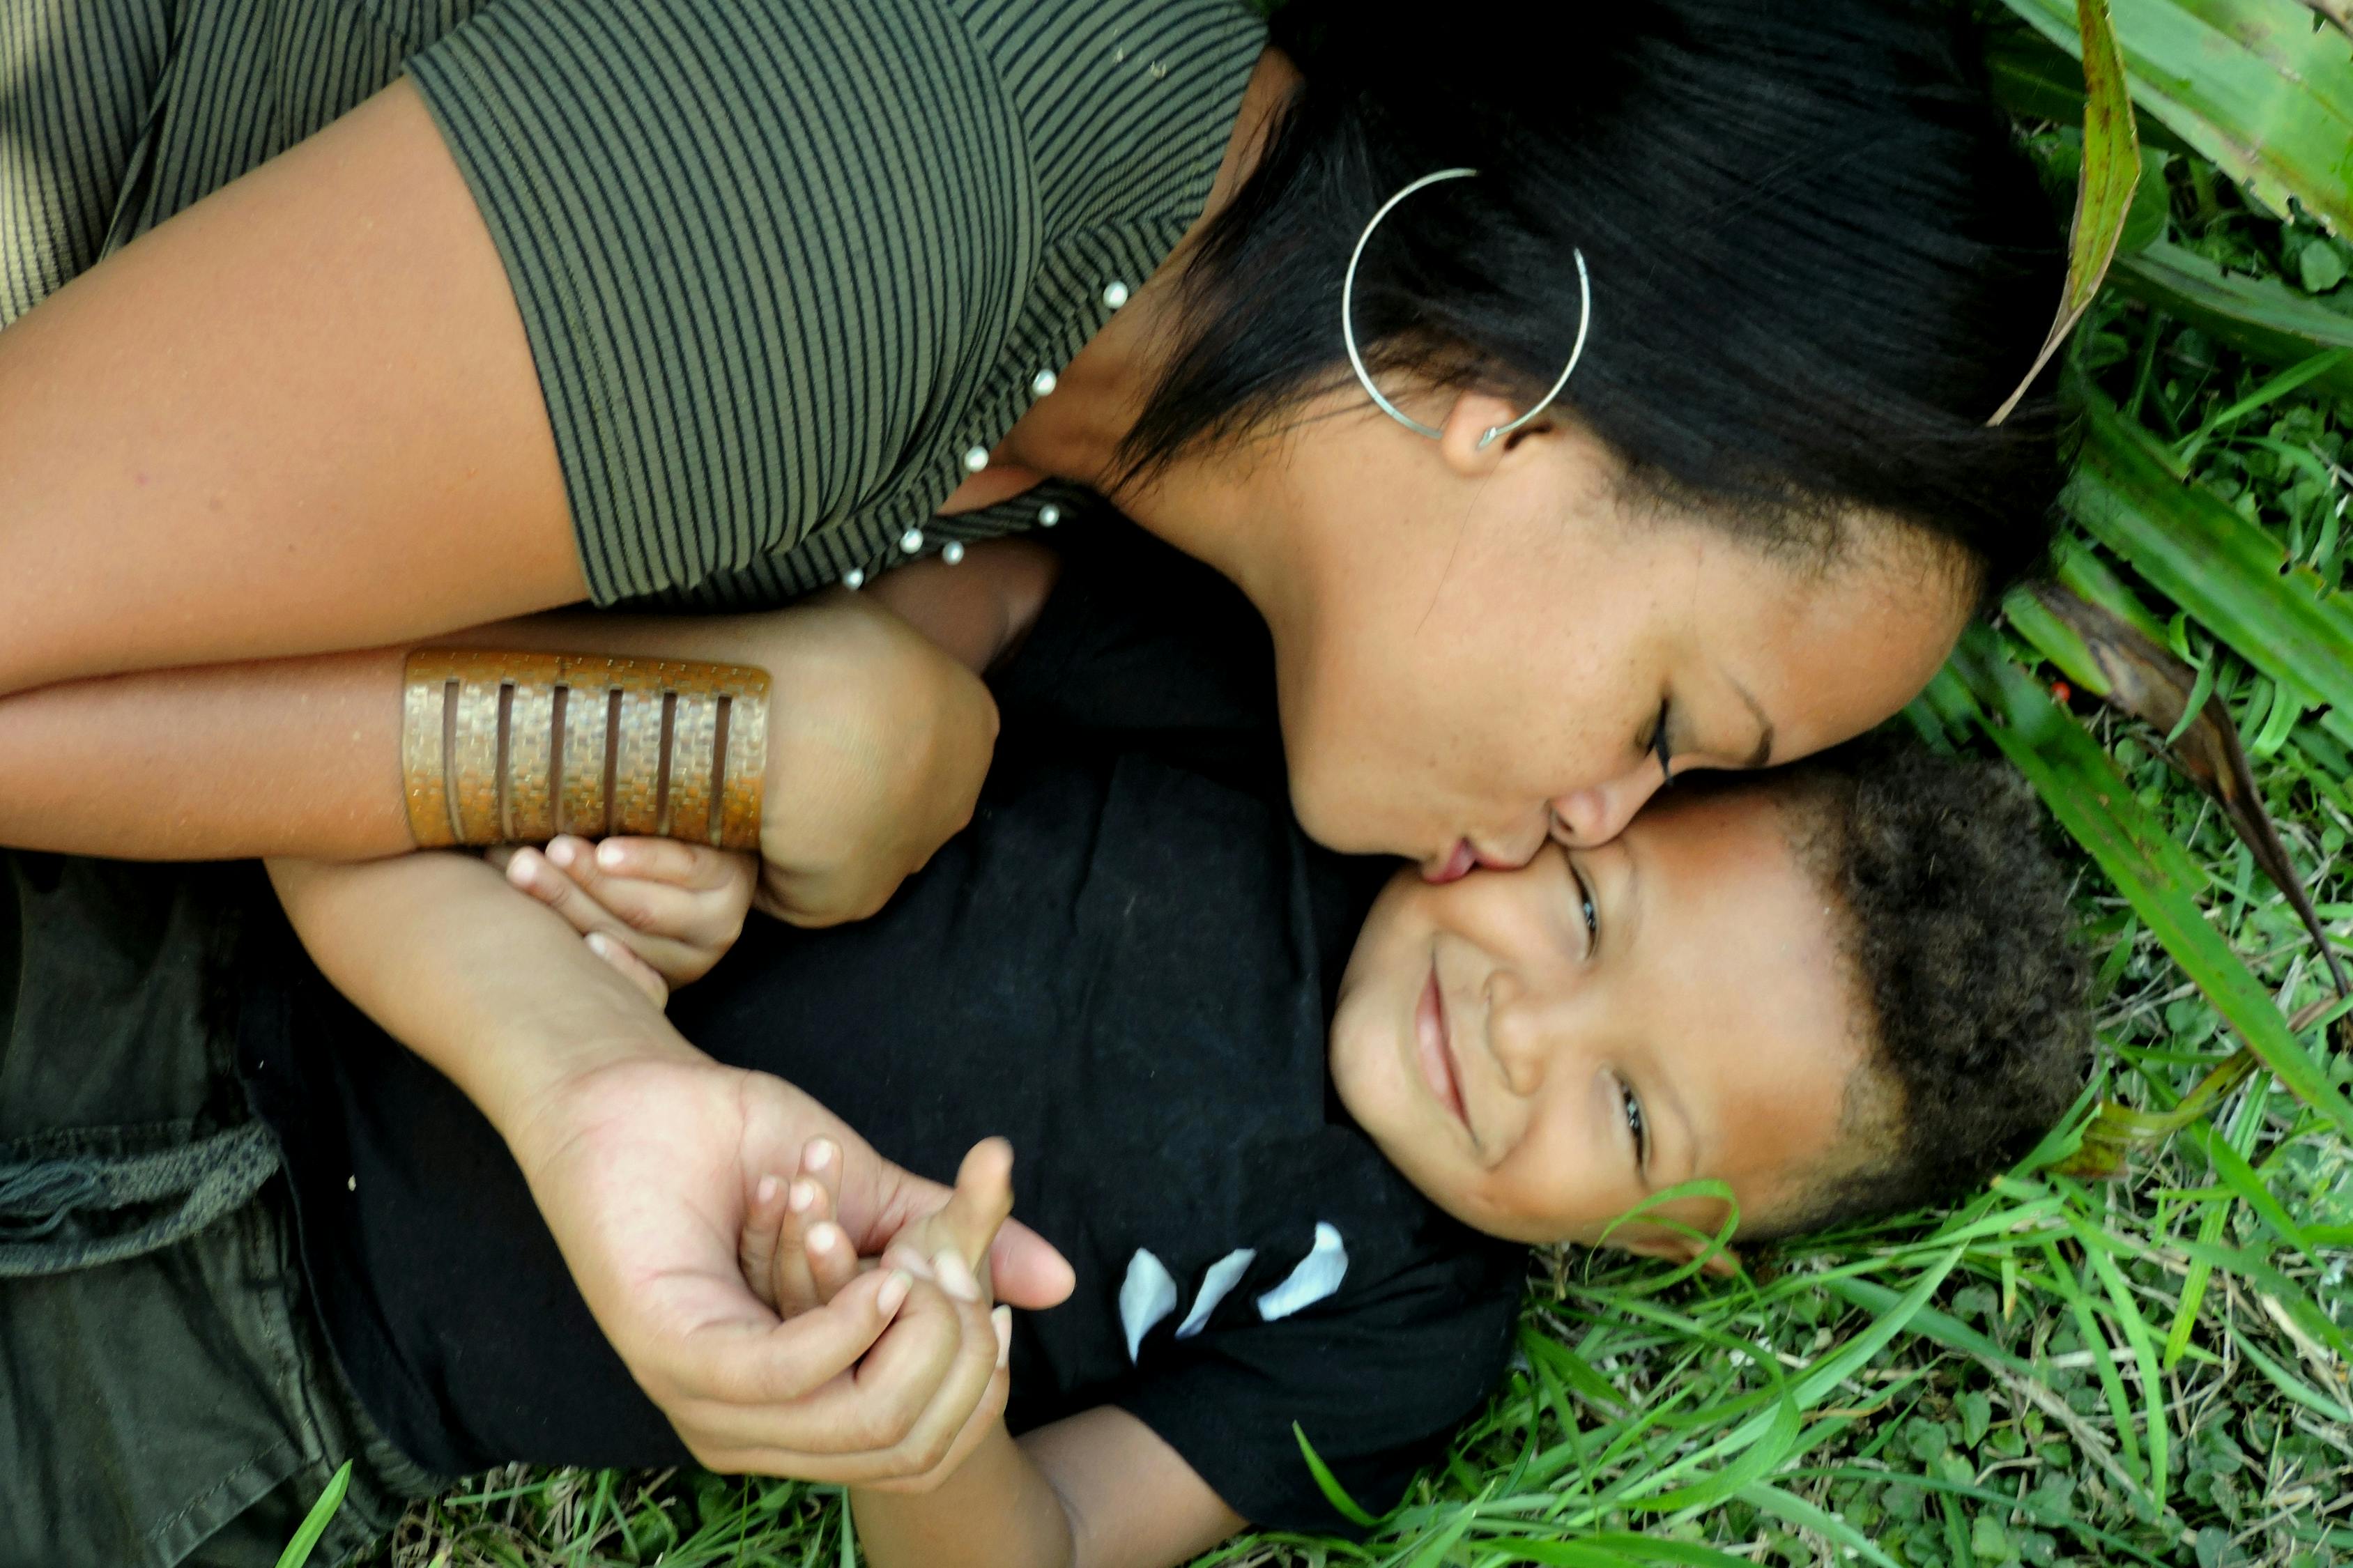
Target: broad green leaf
2236,579
2259,317
2154,873
2252,85
2103,190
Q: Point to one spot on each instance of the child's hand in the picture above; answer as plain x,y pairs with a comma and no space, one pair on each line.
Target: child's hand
796,1256
660,911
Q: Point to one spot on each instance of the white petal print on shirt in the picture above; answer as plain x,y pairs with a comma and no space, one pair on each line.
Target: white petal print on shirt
1145,1296
1318,1275
1223,1276
1148,1294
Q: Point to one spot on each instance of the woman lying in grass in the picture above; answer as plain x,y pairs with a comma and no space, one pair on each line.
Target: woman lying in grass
1289,1118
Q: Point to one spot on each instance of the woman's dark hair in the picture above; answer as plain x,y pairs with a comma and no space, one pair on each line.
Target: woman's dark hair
1960,940
1819,260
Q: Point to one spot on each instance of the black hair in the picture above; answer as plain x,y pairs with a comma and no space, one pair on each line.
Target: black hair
1820,258
1959,938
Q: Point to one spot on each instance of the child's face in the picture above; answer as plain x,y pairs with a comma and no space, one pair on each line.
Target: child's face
1535,1078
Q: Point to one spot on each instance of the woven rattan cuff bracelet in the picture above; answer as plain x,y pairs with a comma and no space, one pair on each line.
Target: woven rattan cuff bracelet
503,748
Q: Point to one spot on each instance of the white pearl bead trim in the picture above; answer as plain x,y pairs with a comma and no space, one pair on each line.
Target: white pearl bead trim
912,541
1044,381
854,579
1115,295
952,552
976,460
1049,515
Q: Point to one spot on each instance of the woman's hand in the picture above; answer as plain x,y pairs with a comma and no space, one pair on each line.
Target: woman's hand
878,742
646,1168
797,1255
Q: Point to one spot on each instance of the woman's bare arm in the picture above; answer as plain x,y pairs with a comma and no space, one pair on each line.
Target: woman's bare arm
301,756
300,418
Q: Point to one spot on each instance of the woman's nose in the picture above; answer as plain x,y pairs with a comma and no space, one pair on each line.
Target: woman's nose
1586,818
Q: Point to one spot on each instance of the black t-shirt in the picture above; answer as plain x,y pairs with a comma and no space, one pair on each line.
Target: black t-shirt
1126,967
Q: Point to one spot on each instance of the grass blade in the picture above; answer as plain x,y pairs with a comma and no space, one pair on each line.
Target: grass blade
322,1513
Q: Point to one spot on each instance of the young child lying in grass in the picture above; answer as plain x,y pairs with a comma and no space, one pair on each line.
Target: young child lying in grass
1291,1118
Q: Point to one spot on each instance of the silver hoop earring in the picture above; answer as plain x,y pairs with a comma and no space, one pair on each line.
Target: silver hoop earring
1357,359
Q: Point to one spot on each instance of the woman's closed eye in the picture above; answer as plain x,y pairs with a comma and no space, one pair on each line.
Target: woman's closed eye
1657,743
1589,912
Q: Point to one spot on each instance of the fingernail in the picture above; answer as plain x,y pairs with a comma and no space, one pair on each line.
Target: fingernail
561,851
518,869
600,944
955,1275
907,1260
823,1238
820,1154
610,856
803,1194
893,1294
766,1193
1003,1319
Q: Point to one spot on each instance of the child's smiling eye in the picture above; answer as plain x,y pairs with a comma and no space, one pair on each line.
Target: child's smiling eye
1585,909
1636,1124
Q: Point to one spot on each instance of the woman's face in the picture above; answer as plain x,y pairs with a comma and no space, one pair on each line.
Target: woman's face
1474,648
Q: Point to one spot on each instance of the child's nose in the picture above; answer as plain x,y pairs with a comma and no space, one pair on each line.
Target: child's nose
1516,1032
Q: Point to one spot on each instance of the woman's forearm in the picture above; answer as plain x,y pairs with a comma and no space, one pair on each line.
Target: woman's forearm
292,757
996,1510
301,756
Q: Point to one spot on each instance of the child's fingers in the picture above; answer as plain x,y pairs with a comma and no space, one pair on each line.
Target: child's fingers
833,1262
637,904
635,970
982,1202
692,867
804,1217
755,1245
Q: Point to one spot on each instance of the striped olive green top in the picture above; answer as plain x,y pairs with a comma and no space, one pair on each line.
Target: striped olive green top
789,268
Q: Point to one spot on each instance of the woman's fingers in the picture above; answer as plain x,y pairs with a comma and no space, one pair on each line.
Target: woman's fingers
742,1381
977,1424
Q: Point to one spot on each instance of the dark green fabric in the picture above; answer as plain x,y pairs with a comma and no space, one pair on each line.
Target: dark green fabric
169,1404
782,263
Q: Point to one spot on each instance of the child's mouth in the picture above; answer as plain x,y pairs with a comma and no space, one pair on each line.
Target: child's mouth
1437,1052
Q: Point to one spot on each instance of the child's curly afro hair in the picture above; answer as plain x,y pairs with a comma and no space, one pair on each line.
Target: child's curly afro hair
1962,946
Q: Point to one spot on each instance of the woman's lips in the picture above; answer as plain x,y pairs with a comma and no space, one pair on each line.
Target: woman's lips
1435,1050
1456,865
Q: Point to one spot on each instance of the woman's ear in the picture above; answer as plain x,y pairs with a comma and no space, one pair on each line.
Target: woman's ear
1465,427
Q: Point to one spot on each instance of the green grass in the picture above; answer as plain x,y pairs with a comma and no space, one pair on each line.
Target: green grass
2151,1369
